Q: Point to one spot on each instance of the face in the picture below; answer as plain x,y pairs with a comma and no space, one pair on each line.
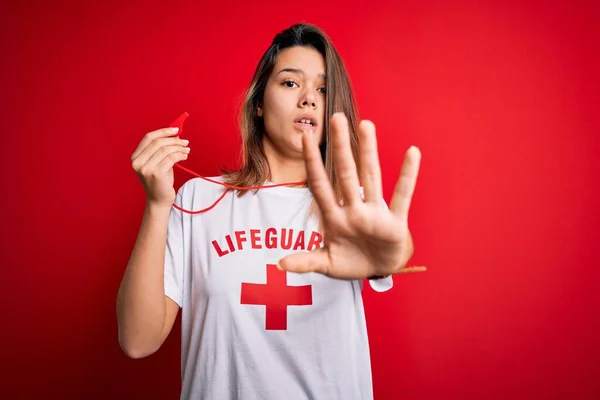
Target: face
294,100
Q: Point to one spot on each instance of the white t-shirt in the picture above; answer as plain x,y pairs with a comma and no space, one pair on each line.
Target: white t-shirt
250,331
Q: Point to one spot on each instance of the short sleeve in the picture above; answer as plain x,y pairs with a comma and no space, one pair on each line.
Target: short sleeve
174,254
382,285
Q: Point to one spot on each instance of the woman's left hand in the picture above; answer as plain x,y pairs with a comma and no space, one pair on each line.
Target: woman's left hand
362,238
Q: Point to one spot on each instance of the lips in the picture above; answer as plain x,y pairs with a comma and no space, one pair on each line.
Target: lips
304,127
305,122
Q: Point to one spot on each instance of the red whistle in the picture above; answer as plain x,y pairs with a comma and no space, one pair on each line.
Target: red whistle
179,122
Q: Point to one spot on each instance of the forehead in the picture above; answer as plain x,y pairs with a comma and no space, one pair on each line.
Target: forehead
306,59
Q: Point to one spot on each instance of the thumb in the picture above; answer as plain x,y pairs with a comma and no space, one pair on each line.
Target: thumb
311,261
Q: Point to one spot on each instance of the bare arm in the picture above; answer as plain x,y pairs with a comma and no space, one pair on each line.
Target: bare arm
145,315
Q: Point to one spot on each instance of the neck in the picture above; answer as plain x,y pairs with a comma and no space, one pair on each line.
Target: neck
285,169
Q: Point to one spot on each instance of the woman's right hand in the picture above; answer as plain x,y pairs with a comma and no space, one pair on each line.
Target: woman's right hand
153,161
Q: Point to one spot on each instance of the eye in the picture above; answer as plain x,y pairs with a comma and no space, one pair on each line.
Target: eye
323,90
289,83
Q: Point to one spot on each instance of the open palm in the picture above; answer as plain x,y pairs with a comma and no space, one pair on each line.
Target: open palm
362,237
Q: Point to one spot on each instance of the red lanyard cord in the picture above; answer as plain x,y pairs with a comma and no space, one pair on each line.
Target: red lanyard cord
179,123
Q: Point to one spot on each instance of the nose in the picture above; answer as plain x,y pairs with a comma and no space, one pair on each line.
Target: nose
308,99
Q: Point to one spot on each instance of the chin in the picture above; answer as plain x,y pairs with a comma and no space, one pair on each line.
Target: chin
298,148
295,146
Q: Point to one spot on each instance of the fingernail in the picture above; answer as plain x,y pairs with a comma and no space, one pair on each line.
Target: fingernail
279,267
185,141
174,129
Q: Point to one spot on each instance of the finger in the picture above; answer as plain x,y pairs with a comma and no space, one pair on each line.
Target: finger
170,160
164,152
311,261
317,176
370,169
405,186
151,136
343,160
156,145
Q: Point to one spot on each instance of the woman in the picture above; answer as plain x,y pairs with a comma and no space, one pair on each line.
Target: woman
269,281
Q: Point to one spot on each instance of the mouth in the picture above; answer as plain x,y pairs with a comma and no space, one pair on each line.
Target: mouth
305,123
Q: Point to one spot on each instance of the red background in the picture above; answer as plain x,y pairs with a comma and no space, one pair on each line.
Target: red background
501,99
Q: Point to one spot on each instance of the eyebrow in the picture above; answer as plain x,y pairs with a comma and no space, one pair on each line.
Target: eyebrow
299,71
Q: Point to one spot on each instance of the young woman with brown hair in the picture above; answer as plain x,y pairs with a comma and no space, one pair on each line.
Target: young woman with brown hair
269,280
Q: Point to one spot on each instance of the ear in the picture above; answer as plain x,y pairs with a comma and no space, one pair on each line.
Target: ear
259,111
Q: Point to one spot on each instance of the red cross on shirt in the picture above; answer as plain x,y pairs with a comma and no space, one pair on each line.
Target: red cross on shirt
276,295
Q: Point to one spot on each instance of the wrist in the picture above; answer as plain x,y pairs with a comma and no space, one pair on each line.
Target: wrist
157,209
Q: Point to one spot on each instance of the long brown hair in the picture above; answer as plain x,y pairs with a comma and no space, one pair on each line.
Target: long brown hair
339,97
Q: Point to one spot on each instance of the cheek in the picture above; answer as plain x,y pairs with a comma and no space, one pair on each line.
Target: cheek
269,113
272,108
272,120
